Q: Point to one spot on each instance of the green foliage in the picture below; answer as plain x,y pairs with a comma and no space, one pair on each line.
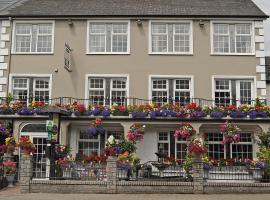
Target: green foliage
264,154
264,138
127,146
9,98
188,163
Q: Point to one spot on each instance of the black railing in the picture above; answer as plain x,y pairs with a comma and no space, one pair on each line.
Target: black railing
235,173
69,171
138,101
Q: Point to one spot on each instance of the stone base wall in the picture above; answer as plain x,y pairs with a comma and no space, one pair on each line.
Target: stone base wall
64,187
150,187
241,188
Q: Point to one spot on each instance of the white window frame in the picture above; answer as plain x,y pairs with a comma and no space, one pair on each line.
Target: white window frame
27,86
237,78
159,89
88,76
219,143
179,142
245,143
238,96
232,22
107,21
87,140
27,76
170,22
98,89
151,77
43,90
116,89
168,141
13,49
181,90
228,90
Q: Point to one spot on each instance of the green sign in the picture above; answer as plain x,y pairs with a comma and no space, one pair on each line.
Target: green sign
49,128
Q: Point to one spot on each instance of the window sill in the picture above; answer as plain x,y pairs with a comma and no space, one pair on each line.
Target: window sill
115,53
32,53
234,54
171,54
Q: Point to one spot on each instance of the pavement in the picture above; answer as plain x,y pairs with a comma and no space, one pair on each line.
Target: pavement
14,194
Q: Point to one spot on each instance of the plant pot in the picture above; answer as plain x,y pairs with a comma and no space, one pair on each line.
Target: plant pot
10,178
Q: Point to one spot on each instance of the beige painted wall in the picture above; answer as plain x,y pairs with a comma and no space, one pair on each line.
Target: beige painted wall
139,65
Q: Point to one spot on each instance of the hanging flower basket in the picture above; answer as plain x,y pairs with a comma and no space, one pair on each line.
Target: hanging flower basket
186,131
95,128
230,132
197,147
136,132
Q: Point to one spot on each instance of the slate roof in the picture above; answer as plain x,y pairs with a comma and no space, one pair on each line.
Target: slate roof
136,8
4,4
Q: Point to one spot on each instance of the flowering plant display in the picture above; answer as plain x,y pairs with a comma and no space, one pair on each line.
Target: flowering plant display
197,146
10,167
10,144
136,132
78,108
186,131
26,145
95,128
230,132
62,151
172,160
96,110
119,110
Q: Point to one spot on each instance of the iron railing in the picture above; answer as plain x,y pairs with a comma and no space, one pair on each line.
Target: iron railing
137,101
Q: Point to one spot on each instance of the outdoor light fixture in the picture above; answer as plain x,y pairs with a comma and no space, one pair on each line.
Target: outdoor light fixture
201,23
70,22
139,22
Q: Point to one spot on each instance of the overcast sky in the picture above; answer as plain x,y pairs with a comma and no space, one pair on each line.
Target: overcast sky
265,6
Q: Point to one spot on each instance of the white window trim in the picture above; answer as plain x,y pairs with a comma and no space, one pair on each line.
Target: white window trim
169,53
238,97
232,22
250,78
190,77
88,52
247,143
87,76
160,89
98,89
49,76
219,143
219,90
116,89
168,141
87,140
13,50
175,147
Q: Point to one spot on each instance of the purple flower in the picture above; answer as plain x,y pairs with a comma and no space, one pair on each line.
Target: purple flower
117,150
197,114
139,114
206,166
106,113
253,114
153,114
262,114
237,114
96,112
25,111
94,131
217,115
124,166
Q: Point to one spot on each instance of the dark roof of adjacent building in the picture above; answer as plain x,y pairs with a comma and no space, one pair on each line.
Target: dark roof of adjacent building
136,8
5,4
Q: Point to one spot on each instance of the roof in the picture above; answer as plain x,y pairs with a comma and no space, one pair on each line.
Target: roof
5,4
136,8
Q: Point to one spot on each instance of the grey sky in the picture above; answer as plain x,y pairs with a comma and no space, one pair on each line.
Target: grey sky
265,6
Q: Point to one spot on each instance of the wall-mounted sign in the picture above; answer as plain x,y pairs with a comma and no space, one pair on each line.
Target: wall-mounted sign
67,58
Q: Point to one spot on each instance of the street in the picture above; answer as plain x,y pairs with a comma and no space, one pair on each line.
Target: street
14,194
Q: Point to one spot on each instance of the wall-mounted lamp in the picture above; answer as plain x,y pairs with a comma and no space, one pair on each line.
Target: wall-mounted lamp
70,22
139,22
201,23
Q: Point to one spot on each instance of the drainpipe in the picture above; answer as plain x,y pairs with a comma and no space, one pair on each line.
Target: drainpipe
9,57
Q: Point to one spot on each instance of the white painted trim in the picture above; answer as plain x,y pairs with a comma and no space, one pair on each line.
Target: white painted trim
50,76
87,76
232,22
151,76
169,53
107,53
235,77
32,22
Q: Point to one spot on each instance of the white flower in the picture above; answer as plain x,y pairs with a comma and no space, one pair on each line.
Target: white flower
111,139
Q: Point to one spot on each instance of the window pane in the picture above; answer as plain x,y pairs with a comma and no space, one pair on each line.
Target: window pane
243,44
181,151
45,29
160,84
97,91
97,43
119,43
23,43
159,28
215,149
120,28
159,43
41,90
221,29
242,151
245,92
221,44
44,43
222,84
23,29
97,28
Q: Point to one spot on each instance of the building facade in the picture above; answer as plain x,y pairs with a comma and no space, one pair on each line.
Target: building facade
112,52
